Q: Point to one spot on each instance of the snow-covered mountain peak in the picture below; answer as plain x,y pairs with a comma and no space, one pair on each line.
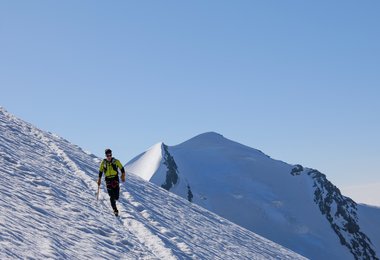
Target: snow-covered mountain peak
206,138
208,142
290,204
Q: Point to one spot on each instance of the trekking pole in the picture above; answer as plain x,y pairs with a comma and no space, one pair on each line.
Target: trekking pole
97,194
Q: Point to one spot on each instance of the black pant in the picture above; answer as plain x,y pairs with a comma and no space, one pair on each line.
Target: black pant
113,190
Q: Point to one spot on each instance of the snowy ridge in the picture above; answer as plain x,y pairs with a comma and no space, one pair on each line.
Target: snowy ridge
151,160
291,205
48,210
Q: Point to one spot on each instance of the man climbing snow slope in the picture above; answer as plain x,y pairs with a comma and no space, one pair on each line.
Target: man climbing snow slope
111,166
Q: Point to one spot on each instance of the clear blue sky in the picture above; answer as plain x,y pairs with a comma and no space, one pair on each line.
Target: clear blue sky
299,80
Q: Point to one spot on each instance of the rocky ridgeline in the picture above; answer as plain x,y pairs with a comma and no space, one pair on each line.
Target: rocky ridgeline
341,212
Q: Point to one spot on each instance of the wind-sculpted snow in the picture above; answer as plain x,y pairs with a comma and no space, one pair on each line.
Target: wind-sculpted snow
49,210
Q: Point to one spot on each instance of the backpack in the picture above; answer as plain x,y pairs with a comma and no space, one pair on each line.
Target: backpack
113,163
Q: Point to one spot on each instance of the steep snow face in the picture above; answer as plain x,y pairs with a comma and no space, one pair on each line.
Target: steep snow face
269,197
48,210
148,162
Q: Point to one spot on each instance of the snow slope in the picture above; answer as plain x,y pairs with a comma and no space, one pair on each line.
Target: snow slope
294,206
48,210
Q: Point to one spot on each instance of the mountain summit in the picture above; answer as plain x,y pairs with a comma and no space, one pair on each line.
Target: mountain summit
292,205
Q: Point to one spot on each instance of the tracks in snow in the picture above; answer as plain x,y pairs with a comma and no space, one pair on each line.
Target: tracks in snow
154,230
144,234
133,218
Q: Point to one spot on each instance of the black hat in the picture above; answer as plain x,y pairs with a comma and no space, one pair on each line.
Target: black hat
108,151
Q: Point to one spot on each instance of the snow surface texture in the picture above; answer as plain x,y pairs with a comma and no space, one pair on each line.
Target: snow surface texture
294,206
49,210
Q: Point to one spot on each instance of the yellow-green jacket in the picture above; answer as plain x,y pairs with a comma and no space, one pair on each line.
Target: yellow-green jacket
110,169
